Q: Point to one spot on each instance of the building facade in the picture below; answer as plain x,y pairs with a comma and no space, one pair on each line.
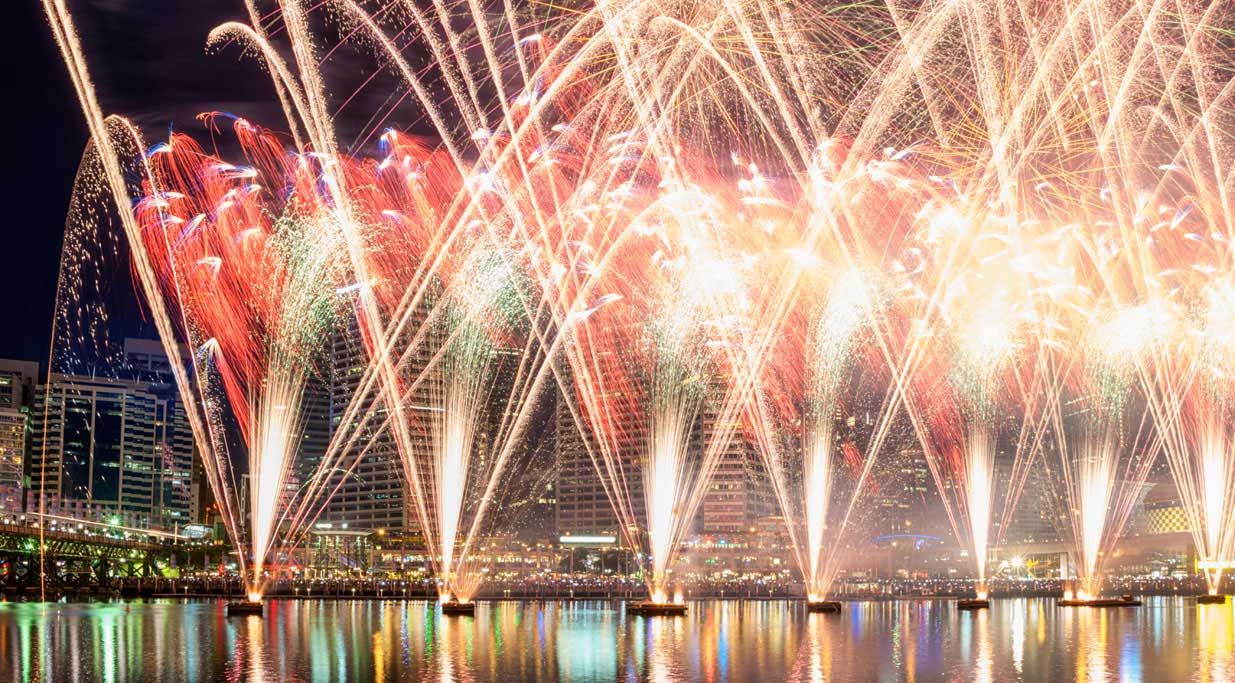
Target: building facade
18,379
583,506
740,492
12,459
174,501
371,495
94,444
113,450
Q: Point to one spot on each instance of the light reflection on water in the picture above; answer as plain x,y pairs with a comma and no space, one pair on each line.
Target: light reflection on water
1025,639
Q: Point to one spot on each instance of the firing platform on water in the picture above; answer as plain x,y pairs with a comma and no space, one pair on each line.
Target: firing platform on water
457,608
246,608
974,603
1121,601
823,606
657,609
1215,599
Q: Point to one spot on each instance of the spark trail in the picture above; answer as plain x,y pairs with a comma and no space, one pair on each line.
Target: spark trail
680,190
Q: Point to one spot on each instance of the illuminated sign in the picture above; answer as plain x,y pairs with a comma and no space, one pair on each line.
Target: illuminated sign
1216,564
194,531
587,540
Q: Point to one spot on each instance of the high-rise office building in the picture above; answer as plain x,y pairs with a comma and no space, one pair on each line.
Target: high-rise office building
12,459
371,496
900,496
172,497
94,447
740,492
173,502
315,438
907,501
108,448
1034,519
18,379
583,507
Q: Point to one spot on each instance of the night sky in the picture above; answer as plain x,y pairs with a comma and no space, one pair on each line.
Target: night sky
45,137
150,63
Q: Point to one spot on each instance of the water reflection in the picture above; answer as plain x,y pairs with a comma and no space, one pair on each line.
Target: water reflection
985,662
814,661
1167,639
1215,628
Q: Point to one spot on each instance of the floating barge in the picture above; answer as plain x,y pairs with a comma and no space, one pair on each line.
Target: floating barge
657,609
972,604
1211,599
823,606
456,608
1121,601
246,608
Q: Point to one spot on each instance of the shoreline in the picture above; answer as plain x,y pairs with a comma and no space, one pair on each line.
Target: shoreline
213,597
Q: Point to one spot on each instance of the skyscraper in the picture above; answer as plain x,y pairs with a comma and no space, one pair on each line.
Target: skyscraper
94,448
12,459
316,424
738,494
583,507
740,491
107,448
371,496
17,382
172,498
172,504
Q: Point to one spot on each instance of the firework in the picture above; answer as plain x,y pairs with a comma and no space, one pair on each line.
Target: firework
704,222
254,289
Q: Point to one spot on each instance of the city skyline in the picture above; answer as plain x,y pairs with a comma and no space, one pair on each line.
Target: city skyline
660,340
185,110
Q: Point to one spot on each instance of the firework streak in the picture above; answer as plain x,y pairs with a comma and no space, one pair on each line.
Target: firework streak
1007,223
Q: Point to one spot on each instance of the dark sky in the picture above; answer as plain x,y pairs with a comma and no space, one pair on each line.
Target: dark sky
149,62
45,136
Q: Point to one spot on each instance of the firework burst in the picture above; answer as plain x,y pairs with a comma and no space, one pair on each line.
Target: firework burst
702,220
